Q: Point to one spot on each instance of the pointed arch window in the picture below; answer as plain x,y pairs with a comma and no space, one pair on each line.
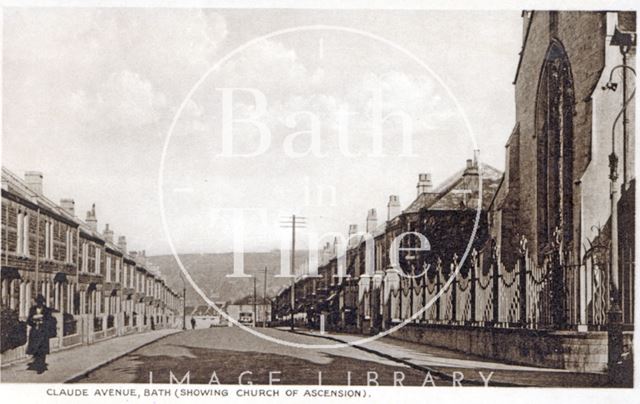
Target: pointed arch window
555,148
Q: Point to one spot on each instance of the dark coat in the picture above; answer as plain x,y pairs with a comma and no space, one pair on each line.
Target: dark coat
41,330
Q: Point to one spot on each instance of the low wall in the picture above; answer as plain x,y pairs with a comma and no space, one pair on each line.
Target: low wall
84,336
572,350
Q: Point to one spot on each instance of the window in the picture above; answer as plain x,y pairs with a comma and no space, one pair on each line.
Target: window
554,126
22,245
5,292
20,233
555,176
117,269
85,257
69,246
97,263
48,240
108,269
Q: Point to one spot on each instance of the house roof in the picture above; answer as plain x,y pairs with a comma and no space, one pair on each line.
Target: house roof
201,310
249,300
17,186
453,193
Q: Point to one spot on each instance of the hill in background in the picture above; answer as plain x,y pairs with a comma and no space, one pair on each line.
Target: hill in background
209,271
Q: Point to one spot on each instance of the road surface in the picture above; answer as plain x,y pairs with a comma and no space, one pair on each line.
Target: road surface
234,356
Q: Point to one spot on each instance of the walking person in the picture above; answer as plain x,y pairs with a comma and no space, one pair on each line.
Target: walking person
193,323
42,326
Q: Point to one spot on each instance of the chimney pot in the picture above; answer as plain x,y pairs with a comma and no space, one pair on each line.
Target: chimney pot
122,243
424,183
353,229
472,167
68,205
34,181
393,207
372,220
108,233
91,220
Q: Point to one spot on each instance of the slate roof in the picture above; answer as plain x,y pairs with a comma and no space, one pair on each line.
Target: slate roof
17,186
204,310
453,193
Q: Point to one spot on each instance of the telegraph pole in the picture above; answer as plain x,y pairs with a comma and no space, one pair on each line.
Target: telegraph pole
254,301
184,308
293,268
299,223
264,300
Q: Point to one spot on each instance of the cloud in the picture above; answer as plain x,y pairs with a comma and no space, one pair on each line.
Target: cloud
268,65
77,57
85,88
124,101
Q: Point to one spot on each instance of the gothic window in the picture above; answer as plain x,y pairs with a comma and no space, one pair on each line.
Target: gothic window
554,129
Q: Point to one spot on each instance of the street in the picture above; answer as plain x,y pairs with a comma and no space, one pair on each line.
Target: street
233,356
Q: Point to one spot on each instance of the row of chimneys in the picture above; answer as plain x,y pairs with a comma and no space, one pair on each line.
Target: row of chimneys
393,206
33,179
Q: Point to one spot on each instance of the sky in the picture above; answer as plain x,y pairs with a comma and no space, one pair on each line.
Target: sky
324,121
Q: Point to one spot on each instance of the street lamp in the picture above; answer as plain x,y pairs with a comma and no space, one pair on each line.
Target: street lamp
624,40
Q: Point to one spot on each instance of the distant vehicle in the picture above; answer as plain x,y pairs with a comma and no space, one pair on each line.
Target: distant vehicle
246,318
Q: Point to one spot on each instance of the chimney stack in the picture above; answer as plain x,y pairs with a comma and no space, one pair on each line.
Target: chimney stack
122,244
353,229
34,181
139,256
69,206
393,207
91,220
472,167
372,220
424,183
108,233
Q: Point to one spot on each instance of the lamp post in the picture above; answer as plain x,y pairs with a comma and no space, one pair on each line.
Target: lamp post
614,316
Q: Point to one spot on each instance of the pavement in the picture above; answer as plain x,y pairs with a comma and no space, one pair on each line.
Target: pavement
443,362
70,364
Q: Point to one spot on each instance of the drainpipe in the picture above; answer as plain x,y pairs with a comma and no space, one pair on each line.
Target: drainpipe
37,249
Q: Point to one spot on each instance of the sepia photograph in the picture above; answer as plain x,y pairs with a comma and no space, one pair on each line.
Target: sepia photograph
301,202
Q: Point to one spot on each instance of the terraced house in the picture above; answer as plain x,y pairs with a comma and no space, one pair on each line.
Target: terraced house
96,287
